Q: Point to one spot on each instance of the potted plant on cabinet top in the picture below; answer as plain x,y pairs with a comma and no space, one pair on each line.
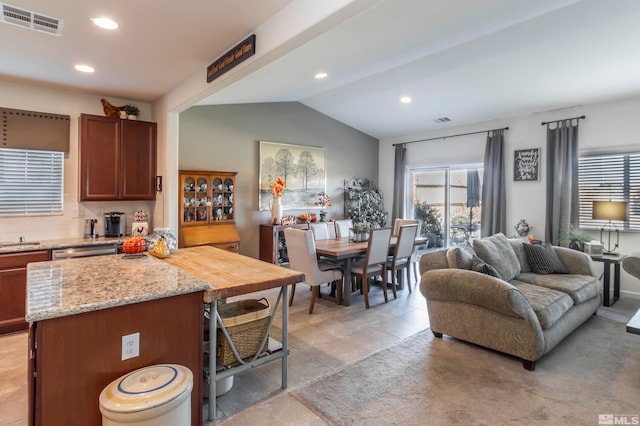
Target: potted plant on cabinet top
132,111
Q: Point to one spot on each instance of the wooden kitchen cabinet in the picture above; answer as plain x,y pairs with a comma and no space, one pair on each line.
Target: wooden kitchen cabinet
13,287
207,209
117,159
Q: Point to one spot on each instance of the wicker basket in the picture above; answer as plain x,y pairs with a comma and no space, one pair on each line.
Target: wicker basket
246,322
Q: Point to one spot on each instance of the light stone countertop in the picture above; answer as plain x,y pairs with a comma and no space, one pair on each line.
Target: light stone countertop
72,286
59,243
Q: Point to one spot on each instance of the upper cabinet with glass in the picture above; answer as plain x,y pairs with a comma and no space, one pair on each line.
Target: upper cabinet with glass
207,197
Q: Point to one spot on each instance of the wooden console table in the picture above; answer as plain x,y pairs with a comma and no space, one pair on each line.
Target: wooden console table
229,275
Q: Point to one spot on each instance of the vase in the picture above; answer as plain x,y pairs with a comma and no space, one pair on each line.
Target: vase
276,210
323,216
522,228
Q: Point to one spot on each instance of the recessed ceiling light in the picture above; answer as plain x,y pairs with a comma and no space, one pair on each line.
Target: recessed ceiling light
321,75
85,68
405,100
105,23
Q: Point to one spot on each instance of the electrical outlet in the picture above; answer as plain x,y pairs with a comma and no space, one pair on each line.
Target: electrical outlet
130,346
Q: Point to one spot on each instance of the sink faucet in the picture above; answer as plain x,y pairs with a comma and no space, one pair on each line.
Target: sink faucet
21,239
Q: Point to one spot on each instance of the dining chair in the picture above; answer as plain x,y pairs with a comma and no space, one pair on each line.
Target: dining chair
375,261
401,259
302,258
320,230
343,228
414,255
400,222
331,230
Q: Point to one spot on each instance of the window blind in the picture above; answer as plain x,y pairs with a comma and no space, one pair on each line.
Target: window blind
31,182
613,177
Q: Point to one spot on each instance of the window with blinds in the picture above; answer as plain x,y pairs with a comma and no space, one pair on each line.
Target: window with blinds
31,182
613,177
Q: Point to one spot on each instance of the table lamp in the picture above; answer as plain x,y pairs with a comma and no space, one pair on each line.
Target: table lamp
610,210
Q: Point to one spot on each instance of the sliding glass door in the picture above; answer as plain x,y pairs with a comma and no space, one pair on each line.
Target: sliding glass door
447,201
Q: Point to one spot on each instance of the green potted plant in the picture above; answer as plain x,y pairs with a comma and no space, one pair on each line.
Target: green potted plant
132,111
575,238
361,230
431,220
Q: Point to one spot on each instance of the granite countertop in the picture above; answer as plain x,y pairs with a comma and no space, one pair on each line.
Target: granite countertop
57,244
72,286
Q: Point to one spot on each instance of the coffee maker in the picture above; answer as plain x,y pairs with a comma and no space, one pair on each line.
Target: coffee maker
114,224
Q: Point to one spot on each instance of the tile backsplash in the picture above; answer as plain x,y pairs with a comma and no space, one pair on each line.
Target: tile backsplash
71,223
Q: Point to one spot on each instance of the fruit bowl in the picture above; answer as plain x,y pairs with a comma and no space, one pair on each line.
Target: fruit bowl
134,245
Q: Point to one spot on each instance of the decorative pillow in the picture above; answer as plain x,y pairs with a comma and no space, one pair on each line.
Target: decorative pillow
497,252
480,265
460,257
517,244
543,259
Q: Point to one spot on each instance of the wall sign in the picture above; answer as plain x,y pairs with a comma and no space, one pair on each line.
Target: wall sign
526,165
244,50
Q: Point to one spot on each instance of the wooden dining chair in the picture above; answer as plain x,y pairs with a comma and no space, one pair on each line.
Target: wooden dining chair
375,261
343,228
320,230
302,258
401,259
414,254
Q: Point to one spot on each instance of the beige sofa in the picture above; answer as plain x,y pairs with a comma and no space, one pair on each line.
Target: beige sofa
518,312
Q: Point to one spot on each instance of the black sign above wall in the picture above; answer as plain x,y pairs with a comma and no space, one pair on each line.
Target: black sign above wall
245,49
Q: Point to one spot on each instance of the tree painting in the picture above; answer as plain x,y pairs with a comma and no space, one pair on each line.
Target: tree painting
301,167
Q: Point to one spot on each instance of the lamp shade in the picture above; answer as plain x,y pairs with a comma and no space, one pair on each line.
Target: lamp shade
609,210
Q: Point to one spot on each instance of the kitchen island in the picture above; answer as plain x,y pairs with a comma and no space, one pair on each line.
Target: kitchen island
79,310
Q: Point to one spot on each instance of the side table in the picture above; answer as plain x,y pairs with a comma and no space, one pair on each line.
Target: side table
609,260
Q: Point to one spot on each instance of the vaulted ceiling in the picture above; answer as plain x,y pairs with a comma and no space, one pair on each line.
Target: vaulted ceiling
466,60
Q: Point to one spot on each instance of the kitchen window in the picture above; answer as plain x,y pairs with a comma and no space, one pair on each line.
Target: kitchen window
31,182
614,177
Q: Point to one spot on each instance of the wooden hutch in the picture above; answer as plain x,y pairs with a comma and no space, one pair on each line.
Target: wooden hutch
207,210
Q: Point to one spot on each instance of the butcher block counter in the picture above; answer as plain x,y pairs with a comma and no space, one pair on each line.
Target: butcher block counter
80,309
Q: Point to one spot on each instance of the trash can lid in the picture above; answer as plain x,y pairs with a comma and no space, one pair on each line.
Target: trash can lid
146,388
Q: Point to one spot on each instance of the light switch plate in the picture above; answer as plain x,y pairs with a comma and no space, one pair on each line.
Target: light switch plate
130,346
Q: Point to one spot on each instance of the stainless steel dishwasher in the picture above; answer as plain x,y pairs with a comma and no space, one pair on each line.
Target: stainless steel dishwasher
84,251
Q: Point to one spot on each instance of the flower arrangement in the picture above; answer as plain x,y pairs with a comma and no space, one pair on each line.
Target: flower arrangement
277,188
323,200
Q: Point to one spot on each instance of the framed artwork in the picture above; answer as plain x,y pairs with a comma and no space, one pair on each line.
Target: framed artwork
303,168
526,165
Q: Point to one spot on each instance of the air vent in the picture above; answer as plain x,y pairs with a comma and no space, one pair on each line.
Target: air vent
31,20
442,120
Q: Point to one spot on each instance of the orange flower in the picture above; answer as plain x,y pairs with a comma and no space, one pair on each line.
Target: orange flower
277,187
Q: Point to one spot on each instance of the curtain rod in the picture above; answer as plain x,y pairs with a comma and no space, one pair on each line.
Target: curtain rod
451,136
557,121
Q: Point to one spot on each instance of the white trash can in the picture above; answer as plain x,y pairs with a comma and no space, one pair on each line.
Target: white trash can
158,395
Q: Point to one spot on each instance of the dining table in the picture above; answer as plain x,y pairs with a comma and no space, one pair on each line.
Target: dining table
345,250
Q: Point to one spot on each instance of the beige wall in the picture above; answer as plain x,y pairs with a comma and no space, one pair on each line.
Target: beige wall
609,127
226,138
71,223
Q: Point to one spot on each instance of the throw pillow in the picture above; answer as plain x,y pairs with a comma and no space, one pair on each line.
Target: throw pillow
543,259
480,265
497,252
517,244
460,257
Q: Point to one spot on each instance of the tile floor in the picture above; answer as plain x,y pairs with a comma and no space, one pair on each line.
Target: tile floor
332,337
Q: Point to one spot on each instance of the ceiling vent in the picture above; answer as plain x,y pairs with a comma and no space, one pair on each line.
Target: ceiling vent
442,120
32,20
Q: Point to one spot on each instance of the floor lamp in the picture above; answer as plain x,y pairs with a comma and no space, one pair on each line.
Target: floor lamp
610,210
